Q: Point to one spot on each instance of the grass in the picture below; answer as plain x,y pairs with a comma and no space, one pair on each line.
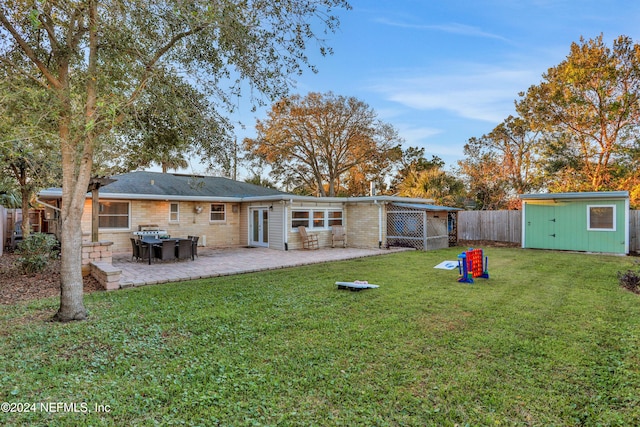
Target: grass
549,339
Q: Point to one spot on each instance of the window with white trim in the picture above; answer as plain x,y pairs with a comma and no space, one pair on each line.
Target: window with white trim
112,214
218,212
318,219
174,212
334,217
315,218
601,217
300,219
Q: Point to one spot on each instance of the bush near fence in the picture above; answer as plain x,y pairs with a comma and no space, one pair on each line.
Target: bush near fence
506,226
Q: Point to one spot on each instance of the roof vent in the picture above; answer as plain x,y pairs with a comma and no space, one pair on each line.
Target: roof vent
153,182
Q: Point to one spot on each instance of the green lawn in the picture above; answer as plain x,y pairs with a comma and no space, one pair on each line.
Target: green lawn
549,339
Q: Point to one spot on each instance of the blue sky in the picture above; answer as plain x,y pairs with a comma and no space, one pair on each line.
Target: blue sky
443,72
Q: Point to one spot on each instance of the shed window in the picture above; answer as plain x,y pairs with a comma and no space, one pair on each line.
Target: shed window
601,218
113,215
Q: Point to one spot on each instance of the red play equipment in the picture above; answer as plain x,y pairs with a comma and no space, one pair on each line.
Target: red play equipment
472,263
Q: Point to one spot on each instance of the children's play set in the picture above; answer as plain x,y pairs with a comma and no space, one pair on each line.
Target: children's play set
472,264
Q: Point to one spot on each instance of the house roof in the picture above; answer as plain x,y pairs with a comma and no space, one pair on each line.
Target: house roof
167,186
426,207
175,187
582,195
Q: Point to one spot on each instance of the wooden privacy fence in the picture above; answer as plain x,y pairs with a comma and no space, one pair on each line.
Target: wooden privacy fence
634,231
498,226
506,226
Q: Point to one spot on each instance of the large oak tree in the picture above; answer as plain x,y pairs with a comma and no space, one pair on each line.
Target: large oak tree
323,141
97,57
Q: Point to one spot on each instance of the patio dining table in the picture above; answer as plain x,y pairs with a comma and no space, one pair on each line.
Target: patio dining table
154,242
150,242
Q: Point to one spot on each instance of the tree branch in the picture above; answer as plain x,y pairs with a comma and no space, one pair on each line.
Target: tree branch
20,71
149,66
30,53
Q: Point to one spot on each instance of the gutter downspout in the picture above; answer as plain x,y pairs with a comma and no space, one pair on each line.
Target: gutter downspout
379,223
285,224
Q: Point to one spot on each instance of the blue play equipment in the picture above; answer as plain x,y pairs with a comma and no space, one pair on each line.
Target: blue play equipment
471,264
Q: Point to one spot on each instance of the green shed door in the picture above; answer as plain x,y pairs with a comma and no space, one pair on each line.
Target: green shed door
540,226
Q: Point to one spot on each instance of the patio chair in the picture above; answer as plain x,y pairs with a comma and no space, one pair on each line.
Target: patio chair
166,250
309,241
143,250
337,235
184,250
194,239
135,254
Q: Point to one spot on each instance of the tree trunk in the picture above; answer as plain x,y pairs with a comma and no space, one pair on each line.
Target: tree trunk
25,192
26,226
76,174
73,197
75,180
19,170
71,285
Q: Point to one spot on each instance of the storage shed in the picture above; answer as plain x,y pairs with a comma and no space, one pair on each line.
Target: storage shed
590,221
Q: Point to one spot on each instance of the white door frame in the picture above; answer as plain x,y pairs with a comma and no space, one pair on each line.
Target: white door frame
259,217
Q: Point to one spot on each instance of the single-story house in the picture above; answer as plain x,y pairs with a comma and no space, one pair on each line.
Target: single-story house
589,221
228,213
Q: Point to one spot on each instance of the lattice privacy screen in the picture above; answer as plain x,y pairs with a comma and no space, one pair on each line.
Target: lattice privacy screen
406,228
416,229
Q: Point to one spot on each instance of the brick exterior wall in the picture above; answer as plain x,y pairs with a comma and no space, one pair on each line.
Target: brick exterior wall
145,212
361,222
363,225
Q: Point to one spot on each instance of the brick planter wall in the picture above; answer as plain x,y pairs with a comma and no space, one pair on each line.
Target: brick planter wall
95,252
106,274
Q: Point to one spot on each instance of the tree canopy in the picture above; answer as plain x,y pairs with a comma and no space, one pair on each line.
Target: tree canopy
575,131
588,107
434,183
27,141
97,58
170,122
508,155
326,143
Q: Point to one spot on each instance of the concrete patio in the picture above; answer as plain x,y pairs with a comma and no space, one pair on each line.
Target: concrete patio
225,262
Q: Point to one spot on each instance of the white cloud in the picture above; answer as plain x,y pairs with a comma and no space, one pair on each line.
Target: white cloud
471,91
414,135
449,28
